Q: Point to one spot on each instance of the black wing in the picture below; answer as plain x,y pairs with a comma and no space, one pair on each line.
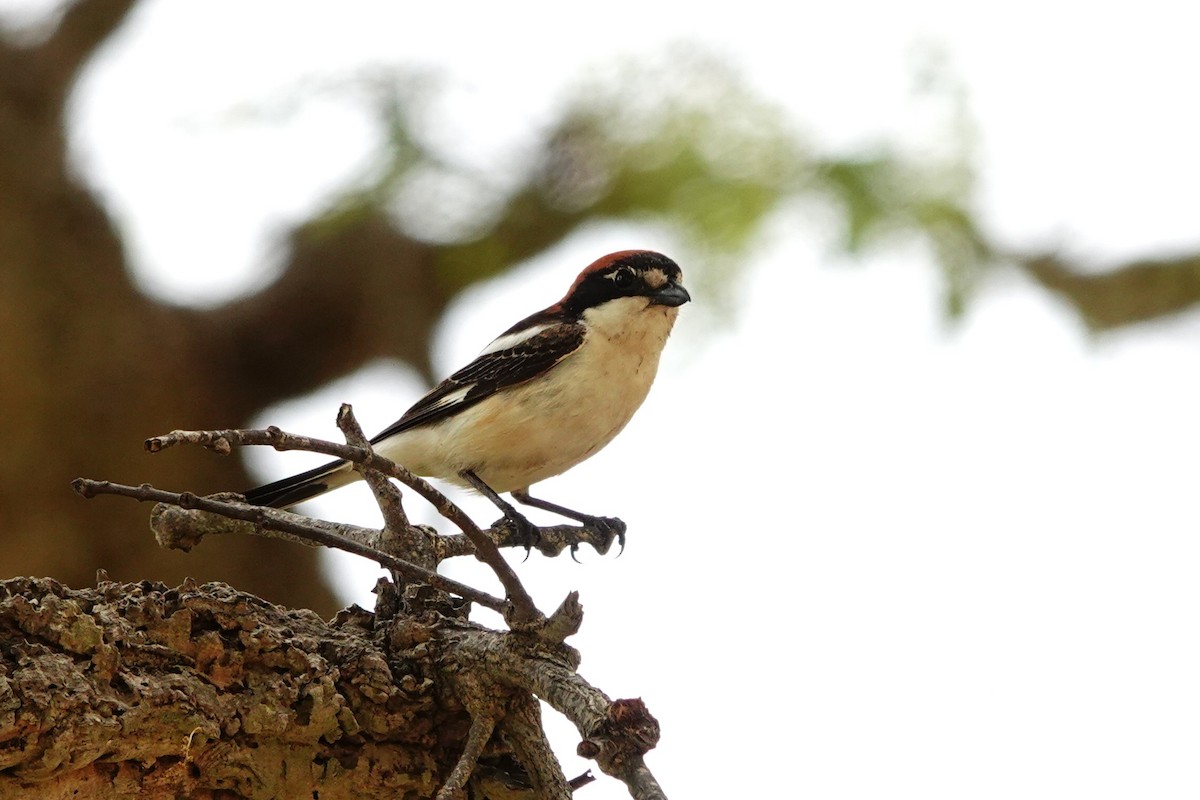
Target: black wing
491,372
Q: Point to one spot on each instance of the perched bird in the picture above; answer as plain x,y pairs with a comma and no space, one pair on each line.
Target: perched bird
546,394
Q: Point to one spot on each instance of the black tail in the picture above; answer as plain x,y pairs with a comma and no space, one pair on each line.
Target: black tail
296,489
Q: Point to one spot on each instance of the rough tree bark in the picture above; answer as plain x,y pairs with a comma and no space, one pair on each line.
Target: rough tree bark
137,690
201,691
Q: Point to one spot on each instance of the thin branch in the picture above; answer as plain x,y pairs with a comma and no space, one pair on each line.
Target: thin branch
522,729
521,611
477,738
398,536
223,442
182,529
565,621
275,520
616,733
641,781
553,539
581,780
387,494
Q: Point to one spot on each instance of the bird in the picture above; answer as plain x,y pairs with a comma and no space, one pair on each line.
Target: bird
543,396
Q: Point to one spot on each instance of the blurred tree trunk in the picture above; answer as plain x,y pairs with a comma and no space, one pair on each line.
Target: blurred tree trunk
91,366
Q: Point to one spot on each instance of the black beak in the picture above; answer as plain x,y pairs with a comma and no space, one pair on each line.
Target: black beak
670,295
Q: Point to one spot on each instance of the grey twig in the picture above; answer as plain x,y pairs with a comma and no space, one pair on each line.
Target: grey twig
282,521
482,726
521,611
616,733
387,494
398,536
522,730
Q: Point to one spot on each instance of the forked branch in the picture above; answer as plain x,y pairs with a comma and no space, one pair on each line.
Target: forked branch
520,611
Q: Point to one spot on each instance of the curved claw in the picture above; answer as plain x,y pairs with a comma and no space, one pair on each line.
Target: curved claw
610,527
574,550
525,533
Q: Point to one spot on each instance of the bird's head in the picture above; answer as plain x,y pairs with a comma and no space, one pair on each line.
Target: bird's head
626,283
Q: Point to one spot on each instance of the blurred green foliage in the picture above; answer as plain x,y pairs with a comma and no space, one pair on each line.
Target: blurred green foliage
682,142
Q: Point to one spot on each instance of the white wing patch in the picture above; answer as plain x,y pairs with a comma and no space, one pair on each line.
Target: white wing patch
511,340
451,399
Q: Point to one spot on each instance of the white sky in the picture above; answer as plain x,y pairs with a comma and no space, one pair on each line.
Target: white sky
871,555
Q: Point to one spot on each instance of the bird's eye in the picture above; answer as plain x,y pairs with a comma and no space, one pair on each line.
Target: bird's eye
624,278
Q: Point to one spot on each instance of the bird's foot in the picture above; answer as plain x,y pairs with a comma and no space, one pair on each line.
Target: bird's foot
599,532
607,529
523,533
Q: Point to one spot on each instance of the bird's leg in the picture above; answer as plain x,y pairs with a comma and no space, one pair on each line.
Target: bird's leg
527,532
607,526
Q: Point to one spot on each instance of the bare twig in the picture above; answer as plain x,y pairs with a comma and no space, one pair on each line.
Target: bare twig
521,611
579,781
223,442
565,621
273,519
178,528
182,529
482,726
552,539
522,730
398,536
615,733
642,784
387,494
